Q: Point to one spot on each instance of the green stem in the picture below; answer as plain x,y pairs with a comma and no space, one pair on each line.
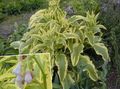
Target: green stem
44,75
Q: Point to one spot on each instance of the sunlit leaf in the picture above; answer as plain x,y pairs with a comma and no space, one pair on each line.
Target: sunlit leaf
89,67
15,44
75,18
71,36
6,76
62,64
77,49
102,50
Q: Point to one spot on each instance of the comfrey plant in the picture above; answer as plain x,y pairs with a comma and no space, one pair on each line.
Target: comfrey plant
21,78
66,39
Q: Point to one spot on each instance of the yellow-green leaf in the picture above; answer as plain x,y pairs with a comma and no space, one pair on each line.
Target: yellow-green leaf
71,36
102,50
61,62
15,44
89,67
6,76
77,49
75,18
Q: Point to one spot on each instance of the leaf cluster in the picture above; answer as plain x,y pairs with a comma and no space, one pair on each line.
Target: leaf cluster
66,39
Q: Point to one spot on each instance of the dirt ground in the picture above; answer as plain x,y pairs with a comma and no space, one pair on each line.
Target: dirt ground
6,27
112,79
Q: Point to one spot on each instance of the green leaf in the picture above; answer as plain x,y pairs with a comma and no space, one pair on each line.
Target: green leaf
60,40
55,85
36,36
24,49
15,44
3,59
70,45
37,48
102,50
6,76
75,18
43,63
71,36
33,86
11,86
89,67
61,62
101,26
90,37
68,81
77,49
81,35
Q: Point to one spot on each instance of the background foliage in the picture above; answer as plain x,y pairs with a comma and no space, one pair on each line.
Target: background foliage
81,6
109,16
5,48
14,7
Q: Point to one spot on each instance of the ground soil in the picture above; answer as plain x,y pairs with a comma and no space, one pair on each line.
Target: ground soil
113,79
6,27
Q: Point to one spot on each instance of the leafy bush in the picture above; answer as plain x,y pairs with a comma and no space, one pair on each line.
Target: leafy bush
1,17
15,7
67,39
12,8
1,14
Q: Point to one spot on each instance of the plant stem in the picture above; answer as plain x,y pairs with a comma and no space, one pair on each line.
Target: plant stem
44,75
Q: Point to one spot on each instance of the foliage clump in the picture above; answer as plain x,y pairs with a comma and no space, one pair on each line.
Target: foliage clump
66,39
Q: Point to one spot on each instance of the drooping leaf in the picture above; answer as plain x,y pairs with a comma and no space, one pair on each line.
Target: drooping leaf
77,49
101,26
62,63
70,45
75,18
89,67
90,37
81,35
102,50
